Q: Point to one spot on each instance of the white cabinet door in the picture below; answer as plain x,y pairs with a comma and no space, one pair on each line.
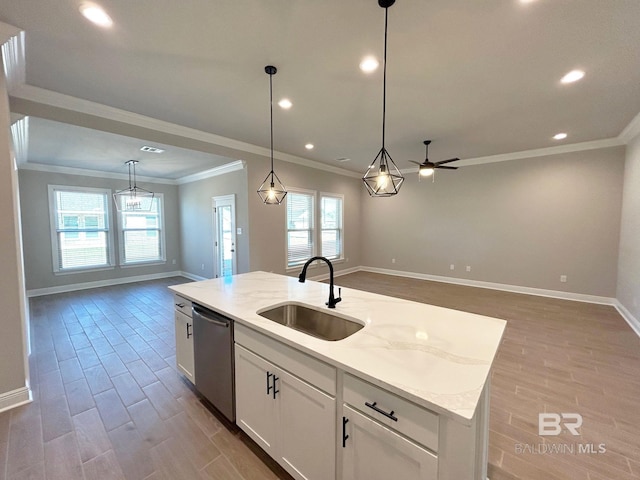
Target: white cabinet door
307,429
374,452
184,345
256,411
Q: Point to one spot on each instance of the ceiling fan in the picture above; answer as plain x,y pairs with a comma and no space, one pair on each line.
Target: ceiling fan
427,168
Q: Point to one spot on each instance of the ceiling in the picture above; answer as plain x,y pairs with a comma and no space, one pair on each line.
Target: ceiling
479,78
59,144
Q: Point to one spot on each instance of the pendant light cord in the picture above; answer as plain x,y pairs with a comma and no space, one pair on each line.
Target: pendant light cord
384,78
271,117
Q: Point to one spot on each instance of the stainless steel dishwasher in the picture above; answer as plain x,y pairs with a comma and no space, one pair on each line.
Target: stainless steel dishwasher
214,364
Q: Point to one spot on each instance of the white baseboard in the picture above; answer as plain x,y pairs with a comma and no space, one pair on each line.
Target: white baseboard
195,278
578,297
100,283
633,322
15,398
337,273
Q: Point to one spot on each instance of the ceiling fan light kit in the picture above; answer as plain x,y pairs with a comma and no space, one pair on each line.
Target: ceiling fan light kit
134,198
272,191
383,178
428,168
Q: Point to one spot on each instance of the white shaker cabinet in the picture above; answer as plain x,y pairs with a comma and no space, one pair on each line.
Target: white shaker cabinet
375,452
184,338
291,419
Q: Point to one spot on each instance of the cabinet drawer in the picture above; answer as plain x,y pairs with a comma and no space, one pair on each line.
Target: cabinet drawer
409,419
313,371
182,305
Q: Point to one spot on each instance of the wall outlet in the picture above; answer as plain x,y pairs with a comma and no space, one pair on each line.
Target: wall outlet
239,231
468,268
202,267
173,262
393,260
563,278
452,267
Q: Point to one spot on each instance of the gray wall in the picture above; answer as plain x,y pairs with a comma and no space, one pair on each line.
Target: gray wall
268,222
13,372
520,222
196,221
37,233
629,259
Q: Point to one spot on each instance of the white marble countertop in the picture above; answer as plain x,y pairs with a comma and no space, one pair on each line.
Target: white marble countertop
436,357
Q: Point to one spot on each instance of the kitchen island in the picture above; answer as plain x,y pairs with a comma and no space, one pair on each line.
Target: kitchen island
407,395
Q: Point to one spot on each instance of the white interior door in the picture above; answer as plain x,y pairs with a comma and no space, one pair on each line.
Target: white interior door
224,221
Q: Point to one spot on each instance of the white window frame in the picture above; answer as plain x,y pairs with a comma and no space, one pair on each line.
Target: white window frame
53,224
161,234
313,195
339,196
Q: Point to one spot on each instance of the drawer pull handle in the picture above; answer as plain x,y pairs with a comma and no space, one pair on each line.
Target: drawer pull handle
375,407
269,387
345,420
189,334
180,305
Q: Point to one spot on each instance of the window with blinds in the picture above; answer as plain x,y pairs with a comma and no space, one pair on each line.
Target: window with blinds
300,221
331,226
80,228
142,234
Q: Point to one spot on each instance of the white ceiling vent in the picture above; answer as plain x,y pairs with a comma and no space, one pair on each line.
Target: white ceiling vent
149,149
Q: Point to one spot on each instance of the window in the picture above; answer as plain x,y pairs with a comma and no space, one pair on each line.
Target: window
80,236
300,236
301,226
331,226
141,234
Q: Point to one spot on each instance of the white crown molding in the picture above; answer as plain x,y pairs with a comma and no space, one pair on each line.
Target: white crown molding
631,131
13,56
39,167
214,172
59,100
20,138
538,152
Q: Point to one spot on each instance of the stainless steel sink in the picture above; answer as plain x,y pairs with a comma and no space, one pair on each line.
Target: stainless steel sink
318,323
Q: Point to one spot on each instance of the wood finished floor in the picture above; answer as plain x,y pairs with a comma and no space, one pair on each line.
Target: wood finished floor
108,403
556,356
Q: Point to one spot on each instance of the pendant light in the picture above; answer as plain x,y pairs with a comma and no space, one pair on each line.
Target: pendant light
272,191
383,178
133,198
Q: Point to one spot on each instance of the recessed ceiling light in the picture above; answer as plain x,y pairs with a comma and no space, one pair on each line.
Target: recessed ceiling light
285,103
369,64
572,76
96,14
560,136
309,146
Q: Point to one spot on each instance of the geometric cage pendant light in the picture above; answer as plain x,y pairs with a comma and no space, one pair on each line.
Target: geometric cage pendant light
272,191
383,178
134,198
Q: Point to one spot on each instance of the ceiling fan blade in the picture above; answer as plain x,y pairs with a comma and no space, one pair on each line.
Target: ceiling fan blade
447,161
446,168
